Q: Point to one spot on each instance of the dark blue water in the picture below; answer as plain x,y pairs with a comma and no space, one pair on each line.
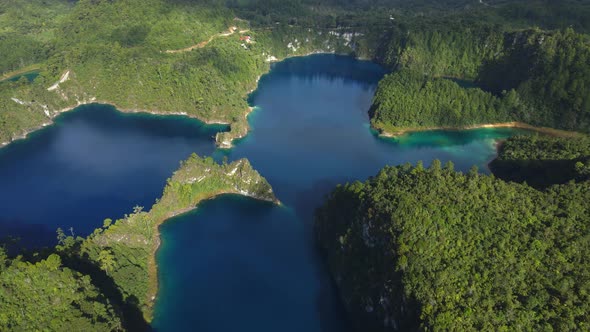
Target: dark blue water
236,264
92,164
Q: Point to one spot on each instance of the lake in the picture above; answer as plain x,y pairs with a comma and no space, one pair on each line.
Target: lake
93,163
235,264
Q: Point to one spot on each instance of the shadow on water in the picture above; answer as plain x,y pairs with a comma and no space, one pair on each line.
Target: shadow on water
23,235
322,66
328,66
327,299
306,201
452,138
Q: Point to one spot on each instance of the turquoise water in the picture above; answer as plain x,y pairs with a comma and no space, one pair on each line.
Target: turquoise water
236,264
94,163
30,76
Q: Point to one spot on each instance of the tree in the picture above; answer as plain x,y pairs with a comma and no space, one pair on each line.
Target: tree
107,260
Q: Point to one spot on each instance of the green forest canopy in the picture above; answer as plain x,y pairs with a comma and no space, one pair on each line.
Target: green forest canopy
435,249
532,76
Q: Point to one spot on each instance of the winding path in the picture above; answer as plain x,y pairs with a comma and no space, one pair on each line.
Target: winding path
204,43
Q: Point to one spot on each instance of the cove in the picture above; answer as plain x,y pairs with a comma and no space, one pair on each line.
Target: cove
235,264
29,75
93,163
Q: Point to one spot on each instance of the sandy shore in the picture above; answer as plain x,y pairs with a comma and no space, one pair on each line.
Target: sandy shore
521,125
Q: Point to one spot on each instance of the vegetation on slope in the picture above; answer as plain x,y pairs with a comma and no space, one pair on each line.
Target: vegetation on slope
27,29
433,249
441,46
550,72
333,13
407,99
536,77
116,52
44,295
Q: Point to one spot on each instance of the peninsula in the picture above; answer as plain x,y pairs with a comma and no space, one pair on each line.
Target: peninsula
120,257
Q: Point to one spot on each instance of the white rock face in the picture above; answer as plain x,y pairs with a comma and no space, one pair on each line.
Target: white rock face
18,101
63,78
292,47
233,171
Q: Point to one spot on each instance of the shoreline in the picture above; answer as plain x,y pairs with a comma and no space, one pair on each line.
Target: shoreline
51,121
55,114
520,125
221,144
225,140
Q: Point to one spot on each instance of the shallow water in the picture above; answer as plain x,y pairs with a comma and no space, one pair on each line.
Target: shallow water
30,76
235,264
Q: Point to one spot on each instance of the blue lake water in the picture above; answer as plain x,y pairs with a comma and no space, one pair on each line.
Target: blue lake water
235,264
94,163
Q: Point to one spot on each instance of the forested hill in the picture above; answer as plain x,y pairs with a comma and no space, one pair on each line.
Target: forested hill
115,52
434,249
537,77
161,56
547,14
